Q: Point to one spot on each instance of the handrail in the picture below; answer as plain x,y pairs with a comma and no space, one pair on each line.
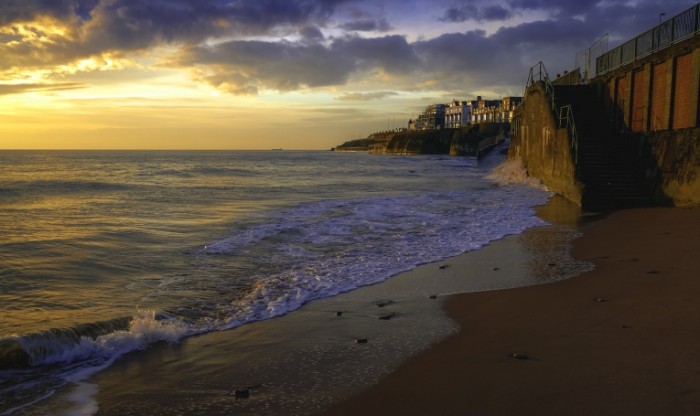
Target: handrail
684,25
565,114
538,73
488,142
566,120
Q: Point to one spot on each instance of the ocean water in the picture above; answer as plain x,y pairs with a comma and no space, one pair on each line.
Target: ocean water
107,252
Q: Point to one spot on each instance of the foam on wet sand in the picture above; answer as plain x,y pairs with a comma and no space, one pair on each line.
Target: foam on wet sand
619,340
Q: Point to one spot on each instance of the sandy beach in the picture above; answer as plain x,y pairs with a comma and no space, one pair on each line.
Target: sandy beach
622,339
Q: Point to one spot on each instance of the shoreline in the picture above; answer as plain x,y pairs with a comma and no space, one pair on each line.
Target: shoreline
308,360
618,340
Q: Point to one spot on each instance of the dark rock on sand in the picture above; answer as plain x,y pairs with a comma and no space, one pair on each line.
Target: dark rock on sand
241,393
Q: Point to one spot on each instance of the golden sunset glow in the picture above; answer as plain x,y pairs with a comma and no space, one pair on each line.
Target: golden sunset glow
113,74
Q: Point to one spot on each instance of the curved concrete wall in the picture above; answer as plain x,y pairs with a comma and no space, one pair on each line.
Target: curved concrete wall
543,148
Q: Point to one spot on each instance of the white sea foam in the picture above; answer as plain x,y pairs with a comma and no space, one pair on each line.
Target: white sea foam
330,247
83,400
513,172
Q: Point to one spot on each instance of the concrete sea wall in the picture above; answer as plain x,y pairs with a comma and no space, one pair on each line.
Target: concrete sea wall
647,112
672,160
542,147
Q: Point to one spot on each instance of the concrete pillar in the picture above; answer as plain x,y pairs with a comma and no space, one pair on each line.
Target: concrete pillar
695,86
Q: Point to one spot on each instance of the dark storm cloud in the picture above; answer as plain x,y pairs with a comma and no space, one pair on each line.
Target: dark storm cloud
466,56
128,24
367,25
471,11
243,67
213,37
28,10
391,53
120,26
311,33
557,7
564,32
459,14
166,15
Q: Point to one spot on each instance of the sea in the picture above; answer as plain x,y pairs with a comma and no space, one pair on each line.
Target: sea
103,253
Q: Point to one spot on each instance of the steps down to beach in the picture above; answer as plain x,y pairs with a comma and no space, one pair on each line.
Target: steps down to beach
611,174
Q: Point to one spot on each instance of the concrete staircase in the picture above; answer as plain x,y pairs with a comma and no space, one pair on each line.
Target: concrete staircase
609,169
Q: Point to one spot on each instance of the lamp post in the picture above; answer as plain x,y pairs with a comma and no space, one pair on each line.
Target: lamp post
661,15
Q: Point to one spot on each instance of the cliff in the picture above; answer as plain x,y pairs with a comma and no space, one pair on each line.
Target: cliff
456,142
357,145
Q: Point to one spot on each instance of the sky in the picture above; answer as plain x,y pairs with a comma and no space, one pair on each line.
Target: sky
262,74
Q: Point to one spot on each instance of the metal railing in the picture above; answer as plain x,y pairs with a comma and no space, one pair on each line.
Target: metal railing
538,73
566,120
488,142
565,114
673,30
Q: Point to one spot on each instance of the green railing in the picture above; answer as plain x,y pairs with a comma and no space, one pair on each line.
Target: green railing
566,120
673,30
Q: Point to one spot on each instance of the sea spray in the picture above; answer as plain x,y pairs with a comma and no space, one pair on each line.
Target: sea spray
512,171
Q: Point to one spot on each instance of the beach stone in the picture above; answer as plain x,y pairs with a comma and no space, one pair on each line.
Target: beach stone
339,313
432,296
496,269
387,316
361,340
520,356
383,303
600,300
241,393
444,266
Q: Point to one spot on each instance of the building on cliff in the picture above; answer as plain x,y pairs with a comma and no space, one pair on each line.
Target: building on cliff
433,117
494,111
458,114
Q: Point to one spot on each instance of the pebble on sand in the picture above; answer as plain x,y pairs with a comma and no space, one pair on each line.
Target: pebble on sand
241,393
